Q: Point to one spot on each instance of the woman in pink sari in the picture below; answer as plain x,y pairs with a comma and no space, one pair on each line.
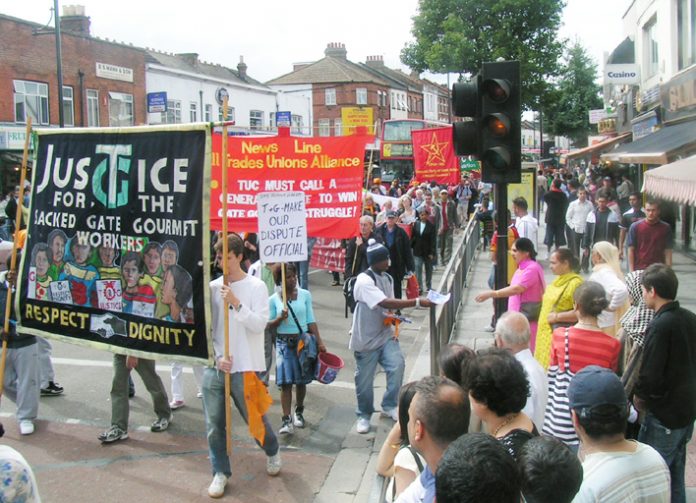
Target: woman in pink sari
526,287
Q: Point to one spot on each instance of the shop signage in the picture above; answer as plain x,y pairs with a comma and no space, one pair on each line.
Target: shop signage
678,96
156,102
622,74
113,72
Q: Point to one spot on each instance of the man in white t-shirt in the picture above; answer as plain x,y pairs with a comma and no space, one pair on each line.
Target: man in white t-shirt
372,340
616,470
512,333
526,224
246,299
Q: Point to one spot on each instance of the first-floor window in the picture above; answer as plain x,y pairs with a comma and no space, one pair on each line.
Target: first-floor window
31,100
230,114
68,106
193,112
92,108
121,109
173,113
297,124
208,113
338,127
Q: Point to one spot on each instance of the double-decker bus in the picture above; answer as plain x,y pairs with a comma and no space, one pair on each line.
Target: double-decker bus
396,151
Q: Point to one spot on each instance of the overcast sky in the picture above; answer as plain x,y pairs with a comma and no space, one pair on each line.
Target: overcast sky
273,34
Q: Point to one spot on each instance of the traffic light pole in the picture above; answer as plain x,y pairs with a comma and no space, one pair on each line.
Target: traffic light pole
501,273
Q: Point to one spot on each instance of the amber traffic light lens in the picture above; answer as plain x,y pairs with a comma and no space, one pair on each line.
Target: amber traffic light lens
498,125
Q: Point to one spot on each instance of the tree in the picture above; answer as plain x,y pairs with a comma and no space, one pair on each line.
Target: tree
459,35
575,94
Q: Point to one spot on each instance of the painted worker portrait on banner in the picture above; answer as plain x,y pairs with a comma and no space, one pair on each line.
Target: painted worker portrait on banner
118,247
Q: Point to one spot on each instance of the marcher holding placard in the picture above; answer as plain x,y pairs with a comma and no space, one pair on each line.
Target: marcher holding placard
246,298
291,322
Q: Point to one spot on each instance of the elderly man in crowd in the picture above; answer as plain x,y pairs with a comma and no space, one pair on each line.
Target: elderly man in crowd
512,333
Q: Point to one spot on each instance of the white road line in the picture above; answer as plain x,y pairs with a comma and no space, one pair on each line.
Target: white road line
78,362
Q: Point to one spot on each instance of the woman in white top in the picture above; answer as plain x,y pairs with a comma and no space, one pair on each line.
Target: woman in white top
606,271
397,459
407,215
382,215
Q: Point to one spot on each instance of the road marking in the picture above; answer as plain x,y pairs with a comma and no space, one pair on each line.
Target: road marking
78,362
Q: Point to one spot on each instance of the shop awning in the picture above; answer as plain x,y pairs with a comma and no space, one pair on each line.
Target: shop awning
602,145
657,147
674,182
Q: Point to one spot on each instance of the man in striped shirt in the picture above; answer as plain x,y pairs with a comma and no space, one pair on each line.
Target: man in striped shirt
616,470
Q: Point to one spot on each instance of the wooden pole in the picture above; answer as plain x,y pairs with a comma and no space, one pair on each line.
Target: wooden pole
225,272
13,260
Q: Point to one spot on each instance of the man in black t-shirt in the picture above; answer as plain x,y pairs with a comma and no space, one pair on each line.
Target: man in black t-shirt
629,217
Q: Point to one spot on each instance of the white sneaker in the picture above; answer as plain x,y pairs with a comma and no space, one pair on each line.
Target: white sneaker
287,428
273,464
489,328
26,427
217,487
392,413
363,425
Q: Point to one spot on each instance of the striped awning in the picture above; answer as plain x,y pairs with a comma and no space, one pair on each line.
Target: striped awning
675,181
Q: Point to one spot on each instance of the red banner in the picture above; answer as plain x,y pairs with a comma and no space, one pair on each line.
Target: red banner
433,156
328,254
328,170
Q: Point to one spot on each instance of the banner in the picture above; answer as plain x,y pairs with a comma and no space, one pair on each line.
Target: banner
328,254
433,156
328,170
118,248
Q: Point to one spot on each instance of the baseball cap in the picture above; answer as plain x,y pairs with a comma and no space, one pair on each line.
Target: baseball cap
392,214
596,386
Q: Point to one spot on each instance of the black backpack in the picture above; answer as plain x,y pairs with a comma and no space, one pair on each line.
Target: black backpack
349,286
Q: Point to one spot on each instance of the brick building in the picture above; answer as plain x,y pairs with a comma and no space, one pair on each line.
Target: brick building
103,82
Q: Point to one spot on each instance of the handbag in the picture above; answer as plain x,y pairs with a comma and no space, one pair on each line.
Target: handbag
306,351
531,310
557,419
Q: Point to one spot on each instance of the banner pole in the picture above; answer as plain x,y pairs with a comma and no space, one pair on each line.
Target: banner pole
225,272
13,260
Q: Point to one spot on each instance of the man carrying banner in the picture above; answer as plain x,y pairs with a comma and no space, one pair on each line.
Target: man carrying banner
356,255
372,340
246,297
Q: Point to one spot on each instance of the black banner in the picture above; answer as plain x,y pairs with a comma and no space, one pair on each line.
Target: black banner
118,241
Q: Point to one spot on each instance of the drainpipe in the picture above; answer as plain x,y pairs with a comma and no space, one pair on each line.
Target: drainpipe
81,77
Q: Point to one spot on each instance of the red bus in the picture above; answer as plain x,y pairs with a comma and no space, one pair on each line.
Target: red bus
396,150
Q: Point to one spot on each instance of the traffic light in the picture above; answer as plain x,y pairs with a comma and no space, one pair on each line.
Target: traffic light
499,123
491,103
465,103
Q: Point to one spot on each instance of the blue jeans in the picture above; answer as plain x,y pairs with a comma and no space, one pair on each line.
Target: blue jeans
214,407
392,361
671,444
421,262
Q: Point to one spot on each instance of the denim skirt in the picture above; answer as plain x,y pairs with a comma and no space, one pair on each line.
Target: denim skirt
287,363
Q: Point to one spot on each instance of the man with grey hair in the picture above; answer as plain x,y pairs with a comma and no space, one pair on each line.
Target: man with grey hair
512,333
356,249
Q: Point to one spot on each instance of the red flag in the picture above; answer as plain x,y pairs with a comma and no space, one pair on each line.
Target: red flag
433,156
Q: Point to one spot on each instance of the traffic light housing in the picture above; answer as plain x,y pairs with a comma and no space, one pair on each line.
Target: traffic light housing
491,101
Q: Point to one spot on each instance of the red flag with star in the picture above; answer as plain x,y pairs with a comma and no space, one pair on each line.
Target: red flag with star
433,156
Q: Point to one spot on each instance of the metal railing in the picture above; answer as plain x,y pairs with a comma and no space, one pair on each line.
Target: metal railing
453,282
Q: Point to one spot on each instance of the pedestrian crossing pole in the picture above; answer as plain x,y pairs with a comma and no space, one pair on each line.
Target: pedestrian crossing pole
501,253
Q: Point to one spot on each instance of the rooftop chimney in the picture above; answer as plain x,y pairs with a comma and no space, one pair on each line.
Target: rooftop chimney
336,50
74,20
191,58
375,61
242,68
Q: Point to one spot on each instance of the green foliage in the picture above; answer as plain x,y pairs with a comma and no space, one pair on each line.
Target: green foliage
459,35
568,106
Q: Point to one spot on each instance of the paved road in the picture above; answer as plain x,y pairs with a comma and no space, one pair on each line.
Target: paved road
71,464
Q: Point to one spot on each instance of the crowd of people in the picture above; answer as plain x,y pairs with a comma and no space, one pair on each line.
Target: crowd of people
588,394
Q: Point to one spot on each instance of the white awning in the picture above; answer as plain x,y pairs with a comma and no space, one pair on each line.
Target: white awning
675,181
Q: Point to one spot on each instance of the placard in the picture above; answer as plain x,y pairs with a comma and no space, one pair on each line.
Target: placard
282,227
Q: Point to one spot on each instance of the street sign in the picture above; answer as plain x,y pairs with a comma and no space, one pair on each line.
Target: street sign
156,102
283,119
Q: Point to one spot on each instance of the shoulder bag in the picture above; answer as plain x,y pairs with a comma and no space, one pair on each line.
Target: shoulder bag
557,420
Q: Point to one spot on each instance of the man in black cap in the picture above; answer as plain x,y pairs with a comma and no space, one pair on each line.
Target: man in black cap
615,469
372,340
399,245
